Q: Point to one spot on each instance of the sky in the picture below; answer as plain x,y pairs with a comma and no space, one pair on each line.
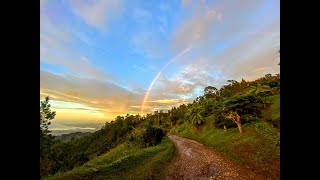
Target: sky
104,58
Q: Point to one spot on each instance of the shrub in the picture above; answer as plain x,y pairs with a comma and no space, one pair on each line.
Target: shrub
252,120
147,136
153,136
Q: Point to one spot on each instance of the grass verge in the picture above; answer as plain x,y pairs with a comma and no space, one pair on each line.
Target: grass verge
258,148
259,143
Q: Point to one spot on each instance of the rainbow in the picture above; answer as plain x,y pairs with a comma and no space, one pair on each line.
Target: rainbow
158,74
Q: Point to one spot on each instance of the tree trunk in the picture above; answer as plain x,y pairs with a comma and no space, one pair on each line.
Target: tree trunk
234,116
238,122
240,128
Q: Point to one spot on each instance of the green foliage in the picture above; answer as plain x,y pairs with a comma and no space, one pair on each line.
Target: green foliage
46,115
194,115
124,162
261,143
246,106
272,113
147,136
255,101
260,90
64,156
250,99
210,91
46,139
220,122
275,107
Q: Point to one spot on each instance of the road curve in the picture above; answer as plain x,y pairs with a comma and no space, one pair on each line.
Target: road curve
194,160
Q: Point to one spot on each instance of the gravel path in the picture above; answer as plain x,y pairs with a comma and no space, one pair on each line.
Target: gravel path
196,161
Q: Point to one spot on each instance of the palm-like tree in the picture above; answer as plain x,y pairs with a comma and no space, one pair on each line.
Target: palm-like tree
194,115
262,91
259,89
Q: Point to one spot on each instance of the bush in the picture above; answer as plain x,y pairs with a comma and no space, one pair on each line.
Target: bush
145,137
220,122
252,121
153,136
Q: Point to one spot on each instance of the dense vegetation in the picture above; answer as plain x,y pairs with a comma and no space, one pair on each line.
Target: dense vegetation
250,109
64,156
126,161
243,124
69,136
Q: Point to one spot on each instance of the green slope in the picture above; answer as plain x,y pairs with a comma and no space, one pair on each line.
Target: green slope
124,162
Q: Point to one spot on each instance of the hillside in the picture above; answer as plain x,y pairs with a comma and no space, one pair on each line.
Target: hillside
124,162
258,148
69,136
241,120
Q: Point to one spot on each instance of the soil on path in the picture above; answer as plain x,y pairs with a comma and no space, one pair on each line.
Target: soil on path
194,160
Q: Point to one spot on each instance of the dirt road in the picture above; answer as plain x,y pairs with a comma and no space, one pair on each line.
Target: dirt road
195,161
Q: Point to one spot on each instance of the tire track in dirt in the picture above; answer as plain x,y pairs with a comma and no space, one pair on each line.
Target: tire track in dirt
194,160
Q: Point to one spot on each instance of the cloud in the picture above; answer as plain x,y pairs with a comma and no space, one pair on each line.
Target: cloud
56,47
164,109
182,88
257,50
96,13
109,98
166,101
72,60
227,43
59,127
192,76
256,65
232,48
196,28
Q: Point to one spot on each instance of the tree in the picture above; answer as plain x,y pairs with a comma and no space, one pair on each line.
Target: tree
260,89
268,75
194,115
46,115
234,116
173,120
209,91
46,139
241,107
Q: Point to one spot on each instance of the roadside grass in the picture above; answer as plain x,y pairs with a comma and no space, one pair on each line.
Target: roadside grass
124,162
275,107
259,143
